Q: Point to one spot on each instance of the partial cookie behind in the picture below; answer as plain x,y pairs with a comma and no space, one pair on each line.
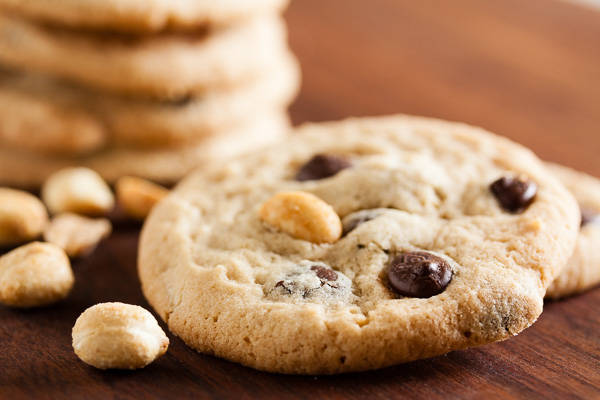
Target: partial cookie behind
159,165
582,272
141,123
234,286
168,65
142,16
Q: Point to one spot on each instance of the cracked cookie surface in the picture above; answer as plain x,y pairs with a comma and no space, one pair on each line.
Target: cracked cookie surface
410,192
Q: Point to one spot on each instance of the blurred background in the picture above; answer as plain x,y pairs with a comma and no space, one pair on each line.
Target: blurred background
528,70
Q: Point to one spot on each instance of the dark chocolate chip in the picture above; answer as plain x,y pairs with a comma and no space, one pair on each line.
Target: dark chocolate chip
514,194
181,102
419,274
589,217
353,223
323,273
322,166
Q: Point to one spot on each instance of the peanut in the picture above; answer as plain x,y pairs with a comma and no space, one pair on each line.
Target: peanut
303,216
76,235
22,217
137,196
117,335
33,275
78,190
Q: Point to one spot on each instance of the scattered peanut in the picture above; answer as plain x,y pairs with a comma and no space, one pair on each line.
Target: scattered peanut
33,275
22,217
76,235
137,196
303,216
78,190
117,335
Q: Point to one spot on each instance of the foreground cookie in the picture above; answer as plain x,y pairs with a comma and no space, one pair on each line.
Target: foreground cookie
159,165
582,272
358,244
169,65
141,15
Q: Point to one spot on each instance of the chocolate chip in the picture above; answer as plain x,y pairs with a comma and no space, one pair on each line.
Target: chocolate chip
353,220
323,273
181,102
322,166
514,194
589,217
419,274
352,223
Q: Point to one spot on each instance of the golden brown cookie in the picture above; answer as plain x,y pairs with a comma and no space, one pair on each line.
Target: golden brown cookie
135,122
449,237
161,165
141,16
165,66
582,272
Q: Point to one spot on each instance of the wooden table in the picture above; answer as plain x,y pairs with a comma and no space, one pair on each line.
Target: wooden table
526,69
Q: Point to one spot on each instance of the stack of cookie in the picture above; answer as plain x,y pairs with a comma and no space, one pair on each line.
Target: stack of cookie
148,88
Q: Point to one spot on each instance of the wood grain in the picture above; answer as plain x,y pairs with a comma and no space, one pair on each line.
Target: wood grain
527,69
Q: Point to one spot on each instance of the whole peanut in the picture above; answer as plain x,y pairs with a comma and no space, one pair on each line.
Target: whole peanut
33,275
118,335
303,216
22,217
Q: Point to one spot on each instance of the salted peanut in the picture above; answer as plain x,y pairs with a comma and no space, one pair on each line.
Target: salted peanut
78,190
118,335
33,275
78,236
303,216
137,196
22,217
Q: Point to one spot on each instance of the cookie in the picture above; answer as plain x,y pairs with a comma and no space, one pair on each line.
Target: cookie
39,125
582,271
141,16
165,66
149,123
19,169
358,244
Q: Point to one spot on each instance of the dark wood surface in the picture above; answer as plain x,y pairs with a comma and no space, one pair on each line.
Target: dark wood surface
526,69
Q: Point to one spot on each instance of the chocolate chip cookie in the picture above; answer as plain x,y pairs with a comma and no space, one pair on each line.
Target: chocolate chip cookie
167,165
582,272
359,244
142,16
164,66
36,104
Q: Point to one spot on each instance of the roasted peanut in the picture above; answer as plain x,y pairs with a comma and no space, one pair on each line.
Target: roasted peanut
137,196
76,235
303,216
33,275
22,217
78,190
117,335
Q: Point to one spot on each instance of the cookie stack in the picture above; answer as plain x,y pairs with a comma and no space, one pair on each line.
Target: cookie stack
150,88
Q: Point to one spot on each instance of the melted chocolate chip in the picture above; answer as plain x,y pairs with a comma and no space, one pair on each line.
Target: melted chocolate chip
324,273
514,194
322,166
589,217
419,274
